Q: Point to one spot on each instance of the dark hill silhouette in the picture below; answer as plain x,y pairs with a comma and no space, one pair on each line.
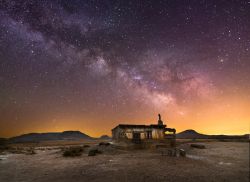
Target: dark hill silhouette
192,134
105,137
37,137
76,135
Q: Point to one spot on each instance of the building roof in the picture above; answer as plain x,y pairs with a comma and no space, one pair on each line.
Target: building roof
139,126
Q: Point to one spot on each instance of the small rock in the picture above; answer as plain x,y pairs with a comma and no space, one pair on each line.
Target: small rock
182,153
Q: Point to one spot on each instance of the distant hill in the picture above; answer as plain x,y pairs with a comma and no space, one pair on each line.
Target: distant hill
192,134
76,135
37,137
105,137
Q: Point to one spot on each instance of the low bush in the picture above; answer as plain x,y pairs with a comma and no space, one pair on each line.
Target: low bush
93,152
104,144
199,146
73,152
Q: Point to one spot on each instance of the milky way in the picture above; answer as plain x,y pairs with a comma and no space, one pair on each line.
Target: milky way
89,65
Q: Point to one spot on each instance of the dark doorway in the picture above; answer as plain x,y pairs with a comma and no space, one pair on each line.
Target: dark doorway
149,134
136,138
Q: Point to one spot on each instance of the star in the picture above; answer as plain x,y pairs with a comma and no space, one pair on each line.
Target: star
94,63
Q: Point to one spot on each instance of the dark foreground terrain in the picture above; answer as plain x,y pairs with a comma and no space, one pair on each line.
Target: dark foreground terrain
220,161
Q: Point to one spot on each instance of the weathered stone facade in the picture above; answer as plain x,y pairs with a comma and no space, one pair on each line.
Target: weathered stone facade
142,132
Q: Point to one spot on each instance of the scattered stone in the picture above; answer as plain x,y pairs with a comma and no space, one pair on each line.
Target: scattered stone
199,146
31,152
194,157
225,163
182,153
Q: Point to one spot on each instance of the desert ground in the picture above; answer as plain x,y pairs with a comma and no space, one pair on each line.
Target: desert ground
219,161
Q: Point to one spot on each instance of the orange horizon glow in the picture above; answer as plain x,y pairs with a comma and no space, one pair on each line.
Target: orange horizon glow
211,126
96,134
230,117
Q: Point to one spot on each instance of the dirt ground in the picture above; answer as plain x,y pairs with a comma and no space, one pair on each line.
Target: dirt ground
220,161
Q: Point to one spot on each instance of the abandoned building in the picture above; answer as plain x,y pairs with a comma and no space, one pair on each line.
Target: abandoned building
143,133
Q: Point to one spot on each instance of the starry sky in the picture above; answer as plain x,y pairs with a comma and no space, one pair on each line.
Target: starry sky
90,65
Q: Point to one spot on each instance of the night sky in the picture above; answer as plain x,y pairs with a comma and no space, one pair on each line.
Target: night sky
90,65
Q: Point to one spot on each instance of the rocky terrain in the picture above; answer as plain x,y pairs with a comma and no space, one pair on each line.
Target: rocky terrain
218,161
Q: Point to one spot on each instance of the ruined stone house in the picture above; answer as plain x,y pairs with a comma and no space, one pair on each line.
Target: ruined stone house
139,133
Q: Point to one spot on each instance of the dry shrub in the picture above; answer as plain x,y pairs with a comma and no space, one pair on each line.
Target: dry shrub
104,144
73,152
93,152
199,146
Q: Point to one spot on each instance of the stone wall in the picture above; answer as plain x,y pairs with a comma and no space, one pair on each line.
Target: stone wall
127,133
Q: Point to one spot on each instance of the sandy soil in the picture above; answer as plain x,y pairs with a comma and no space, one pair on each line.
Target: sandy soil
220,161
